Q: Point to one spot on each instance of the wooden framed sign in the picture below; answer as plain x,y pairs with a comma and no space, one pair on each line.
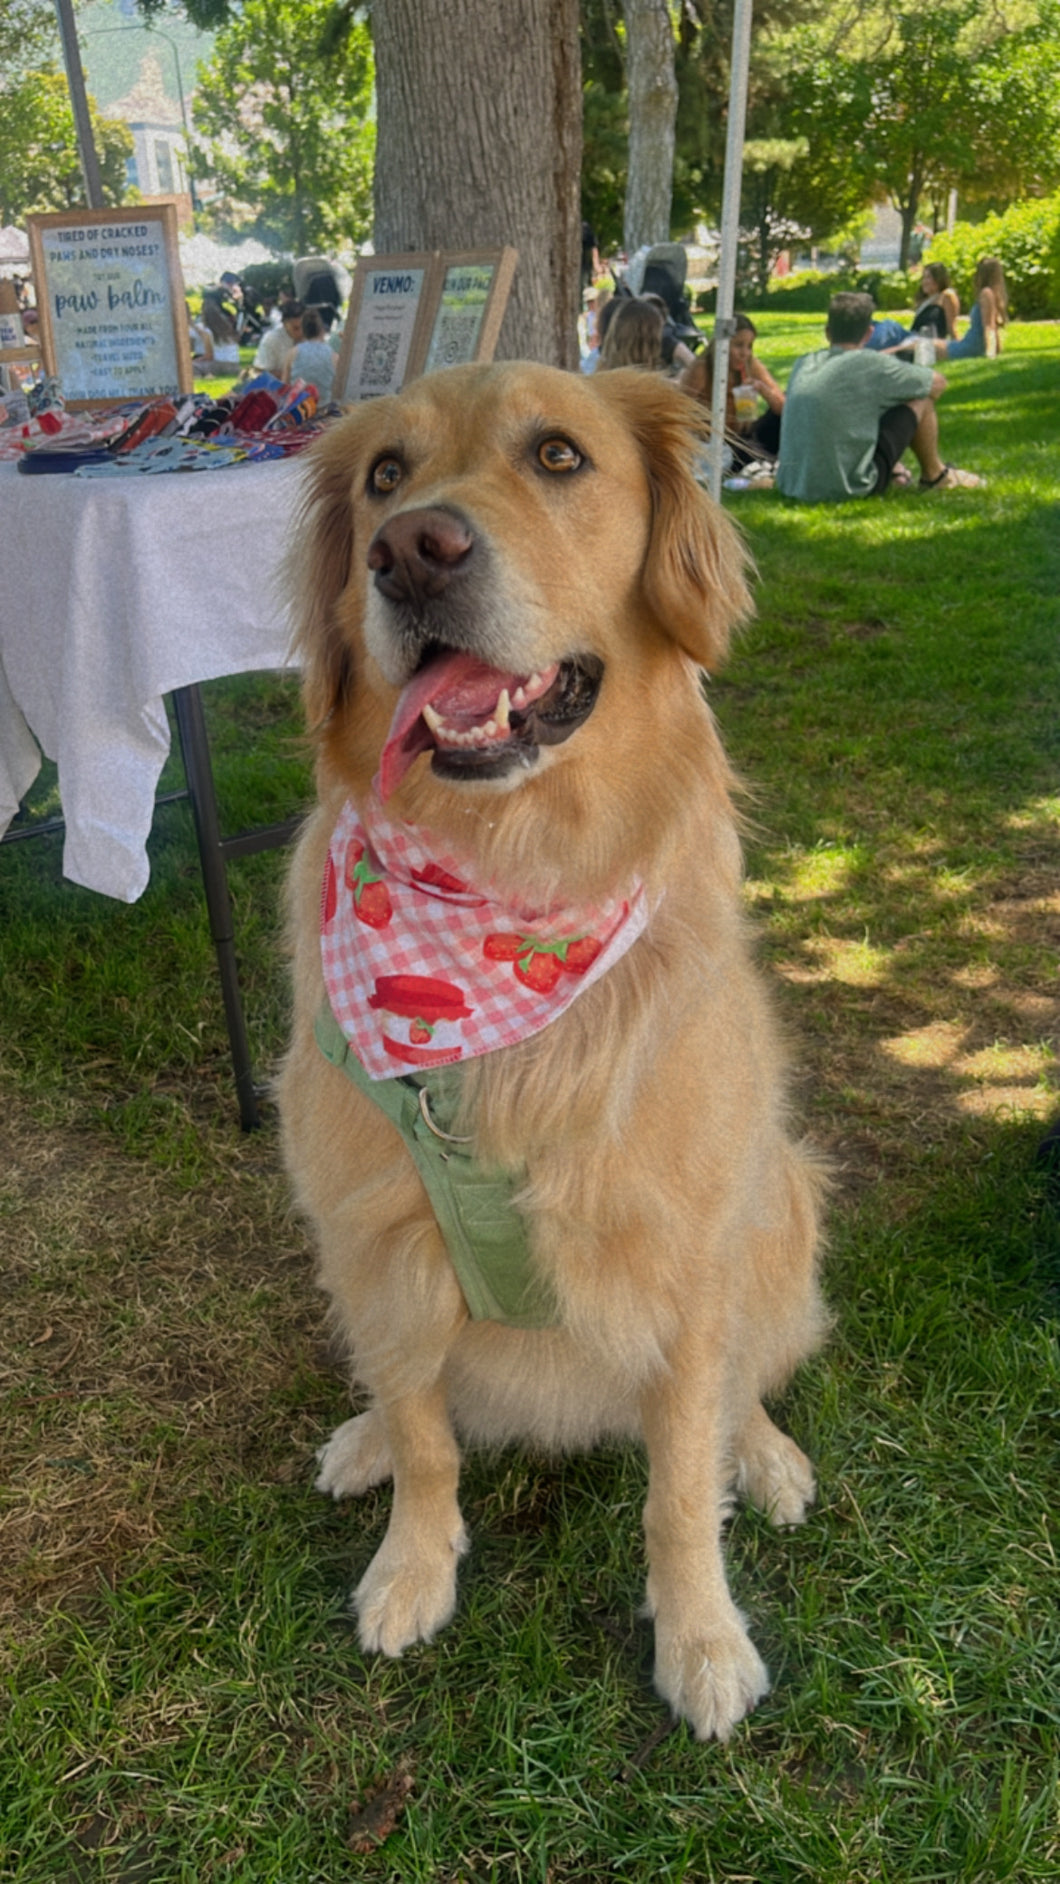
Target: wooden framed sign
470,294
110,303
410,314
385,334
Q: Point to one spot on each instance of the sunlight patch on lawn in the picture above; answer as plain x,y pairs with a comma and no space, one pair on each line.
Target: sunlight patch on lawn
1015,1102
824,871
1002,1077
1002,1060
1039,814
856,964
937,1045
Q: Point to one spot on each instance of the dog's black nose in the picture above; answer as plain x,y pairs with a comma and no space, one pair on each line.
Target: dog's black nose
416,554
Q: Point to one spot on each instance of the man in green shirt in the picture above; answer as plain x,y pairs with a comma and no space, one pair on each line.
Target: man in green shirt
850,413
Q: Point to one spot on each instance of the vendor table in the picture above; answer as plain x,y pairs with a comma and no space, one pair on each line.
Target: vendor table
114,592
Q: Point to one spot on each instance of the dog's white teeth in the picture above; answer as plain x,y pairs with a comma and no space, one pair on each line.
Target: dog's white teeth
519,697
480,735
535,683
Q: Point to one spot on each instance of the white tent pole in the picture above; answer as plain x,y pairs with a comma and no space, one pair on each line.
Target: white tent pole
730,234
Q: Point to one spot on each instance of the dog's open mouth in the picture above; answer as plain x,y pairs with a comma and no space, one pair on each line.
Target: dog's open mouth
479,722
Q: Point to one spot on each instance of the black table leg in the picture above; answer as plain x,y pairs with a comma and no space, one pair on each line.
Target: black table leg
195,750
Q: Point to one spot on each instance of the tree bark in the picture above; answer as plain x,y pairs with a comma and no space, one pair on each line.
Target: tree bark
652,90
479,144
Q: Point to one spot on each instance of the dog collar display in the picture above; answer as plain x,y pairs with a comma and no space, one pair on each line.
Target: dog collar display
422,968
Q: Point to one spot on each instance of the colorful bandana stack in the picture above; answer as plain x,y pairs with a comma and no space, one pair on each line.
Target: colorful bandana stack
423,969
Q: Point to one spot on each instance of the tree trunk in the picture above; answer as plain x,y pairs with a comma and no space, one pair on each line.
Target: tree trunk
479,144
652,89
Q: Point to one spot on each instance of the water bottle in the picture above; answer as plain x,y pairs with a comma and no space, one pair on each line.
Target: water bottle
924,349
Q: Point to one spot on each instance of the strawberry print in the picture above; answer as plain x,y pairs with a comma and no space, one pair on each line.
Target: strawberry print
539,965
433,877
506,948
425,969
538,969
581,954
371,898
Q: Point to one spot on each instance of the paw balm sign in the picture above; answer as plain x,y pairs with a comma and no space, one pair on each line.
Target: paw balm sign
110,300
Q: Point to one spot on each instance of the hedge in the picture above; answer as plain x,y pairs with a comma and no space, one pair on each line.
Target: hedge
1026,241
809,290
1025,238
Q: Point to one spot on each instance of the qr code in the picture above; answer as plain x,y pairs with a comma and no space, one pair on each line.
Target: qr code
454,337
380,359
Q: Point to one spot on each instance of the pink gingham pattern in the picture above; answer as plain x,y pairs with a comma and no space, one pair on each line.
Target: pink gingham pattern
423,969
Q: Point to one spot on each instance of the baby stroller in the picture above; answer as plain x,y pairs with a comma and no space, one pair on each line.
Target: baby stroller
665,274
319,282
663,270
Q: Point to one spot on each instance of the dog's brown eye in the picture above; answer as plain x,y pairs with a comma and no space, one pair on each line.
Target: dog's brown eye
386,475
558,454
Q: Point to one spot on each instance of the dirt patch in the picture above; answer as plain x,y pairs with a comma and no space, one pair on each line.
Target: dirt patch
151,1335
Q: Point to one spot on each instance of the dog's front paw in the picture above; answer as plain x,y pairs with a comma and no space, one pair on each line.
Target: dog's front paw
407,1595
778,1478
711,1677
356,1457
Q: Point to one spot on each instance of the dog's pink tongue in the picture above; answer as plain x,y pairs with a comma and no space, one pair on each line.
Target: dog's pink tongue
455,684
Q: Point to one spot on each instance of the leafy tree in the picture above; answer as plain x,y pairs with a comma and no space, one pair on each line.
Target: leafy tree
1016,89
702,56
284,128
29,39
913,101
605,119
207,15
40,166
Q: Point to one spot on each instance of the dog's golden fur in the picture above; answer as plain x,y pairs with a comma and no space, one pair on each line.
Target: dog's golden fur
670,1211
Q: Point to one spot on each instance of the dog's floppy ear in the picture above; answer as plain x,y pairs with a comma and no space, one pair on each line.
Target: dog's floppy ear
316,572
694,573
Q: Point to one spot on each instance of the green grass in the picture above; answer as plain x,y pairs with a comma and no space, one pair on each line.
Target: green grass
185,1698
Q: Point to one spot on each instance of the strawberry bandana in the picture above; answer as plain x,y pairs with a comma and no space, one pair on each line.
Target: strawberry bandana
422,969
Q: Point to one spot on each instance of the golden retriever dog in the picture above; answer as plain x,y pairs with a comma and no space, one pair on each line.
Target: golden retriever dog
506,583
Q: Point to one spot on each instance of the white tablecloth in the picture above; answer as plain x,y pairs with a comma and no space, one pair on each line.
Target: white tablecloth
113,591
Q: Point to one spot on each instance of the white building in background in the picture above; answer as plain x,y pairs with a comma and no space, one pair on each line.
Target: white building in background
145,76
883,244
159,164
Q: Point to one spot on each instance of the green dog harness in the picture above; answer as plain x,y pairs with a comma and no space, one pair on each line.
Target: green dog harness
485,1233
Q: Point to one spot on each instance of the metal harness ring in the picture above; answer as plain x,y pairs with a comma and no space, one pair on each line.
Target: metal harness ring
425,1113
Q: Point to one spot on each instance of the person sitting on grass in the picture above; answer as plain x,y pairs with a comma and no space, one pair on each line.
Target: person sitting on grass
312,359
850,414
988,317
756,436
606,314
936,314
222,329
276,343
634,337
